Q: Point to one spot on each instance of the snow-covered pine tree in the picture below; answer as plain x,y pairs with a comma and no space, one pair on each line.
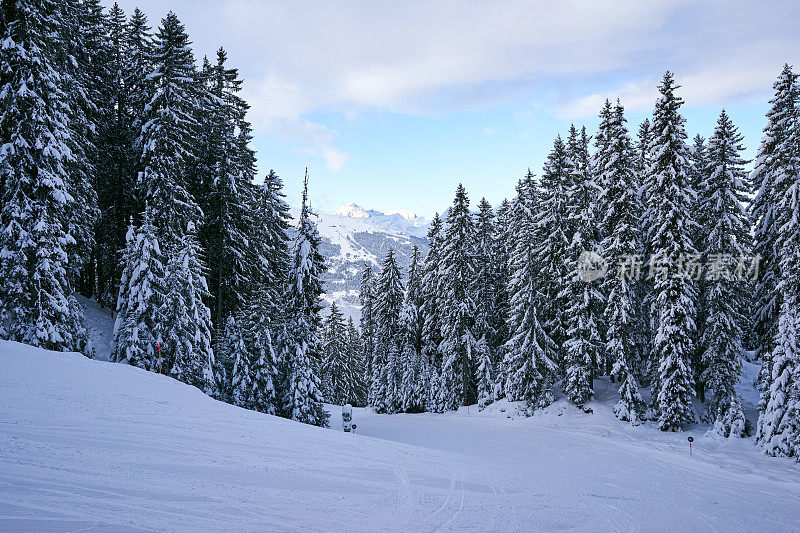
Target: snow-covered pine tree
81,47
224,190
779,158
255,379
413,390
268,250
699,174
432,311
775,157
583,344
670,211
459,307
336,374
620,212
503,244
193,365
356,393
139,324
37,189
484,375
553,242
529,363
725,238
137,69
303,294
389,296
368,328
487,287
241,382
645,317
114,172
167,139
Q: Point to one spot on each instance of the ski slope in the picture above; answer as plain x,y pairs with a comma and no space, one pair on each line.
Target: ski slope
91,445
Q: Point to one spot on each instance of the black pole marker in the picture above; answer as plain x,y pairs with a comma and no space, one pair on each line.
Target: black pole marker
691,440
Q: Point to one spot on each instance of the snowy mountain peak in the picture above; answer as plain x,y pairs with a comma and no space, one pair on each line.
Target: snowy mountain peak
351,210
405,213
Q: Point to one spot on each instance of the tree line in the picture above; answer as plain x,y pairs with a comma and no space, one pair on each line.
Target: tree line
652,260
126,174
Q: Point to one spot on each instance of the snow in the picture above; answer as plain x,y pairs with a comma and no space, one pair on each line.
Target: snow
100,325
90,444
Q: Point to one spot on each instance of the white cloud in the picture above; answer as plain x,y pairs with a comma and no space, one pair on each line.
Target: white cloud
422,57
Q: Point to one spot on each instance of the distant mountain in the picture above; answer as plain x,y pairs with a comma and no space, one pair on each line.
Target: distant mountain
353,236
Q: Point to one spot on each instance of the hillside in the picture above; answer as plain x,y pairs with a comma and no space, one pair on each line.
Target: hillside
93,445
352,237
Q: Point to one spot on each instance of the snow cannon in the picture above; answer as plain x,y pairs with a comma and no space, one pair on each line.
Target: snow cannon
347,418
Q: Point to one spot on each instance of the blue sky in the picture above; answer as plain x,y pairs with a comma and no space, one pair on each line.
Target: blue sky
392,104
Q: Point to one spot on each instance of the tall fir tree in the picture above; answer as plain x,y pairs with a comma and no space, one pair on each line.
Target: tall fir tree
778,175
583,345
432,311
139,324
355,361
671,212
190,327
459,305
529,364
699,175
620,213
303,401
776,158
167,139
487,287
38,189
336,373
368,327
726,238
388,305
553,240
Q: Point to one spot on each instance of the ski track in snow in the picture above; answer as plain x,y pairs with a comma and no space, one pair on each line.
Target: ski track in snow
91,445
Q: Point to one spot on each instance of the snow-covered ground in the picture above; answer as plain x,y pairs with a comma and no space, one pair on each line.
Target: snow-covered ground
100,325
91,445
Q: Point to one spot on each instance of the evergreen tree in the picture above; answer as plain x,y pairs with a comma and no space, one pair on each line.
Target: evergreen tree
488,318
459,307
483,375
699,175
412,390
584,301
432,310
529,363
776,158
166,142
191,325
139,325
553,240
114,172
368,328
224,190
671,242
304,290
388,305
336,373
726,238
241,385
778,171
615,163
37,189
356,393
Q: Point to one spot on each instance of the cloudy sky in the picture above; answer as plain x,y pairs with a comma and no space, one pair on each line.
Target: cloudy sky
392,104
